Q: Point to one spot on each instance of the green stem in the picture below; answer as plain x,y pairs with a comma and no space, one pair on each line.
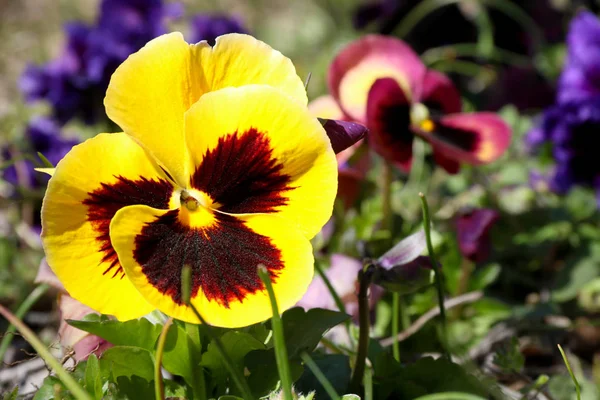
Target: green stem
395,325
33,297
314,368
237,378
76,390
278,339
388,216
364,279
368,384
438,275
159,388
568,365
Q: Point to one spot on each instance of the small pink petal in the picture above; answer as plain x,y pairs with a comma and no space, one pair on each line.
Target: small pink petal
88,345
46,275
473,138
71,309
440,94
388,120
362,62
472,228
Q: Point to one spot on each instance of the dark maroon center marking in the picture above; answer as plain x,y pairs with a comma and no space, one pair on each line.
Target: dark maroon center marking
223,257
242,175
392,124
103,204
464,139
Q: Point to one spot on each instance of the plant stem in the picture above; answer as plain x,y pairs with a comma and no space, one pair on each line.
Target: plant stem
466,270
386,195
159,388
568,365
33,297
395,324
237,378
364,279
278,339
76,390
314,368
438,275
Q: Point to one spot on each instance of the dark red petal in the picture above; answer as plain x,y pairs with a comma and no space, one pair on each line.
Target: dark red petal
242,175
472,229
104,203
474,138
223,257
343,134
388,120
439,94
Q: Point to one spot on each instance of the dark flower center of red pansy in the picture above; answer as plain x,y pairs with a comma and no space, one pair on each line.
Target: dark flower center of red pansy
103,204
242,175
464,139
223,257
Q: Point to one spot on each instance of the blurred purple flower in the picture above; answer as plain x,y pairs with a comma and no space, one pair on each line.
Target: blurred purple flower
75,83
209,27
43,135
402,269
580,78
342,274
573,129
374,11
473,231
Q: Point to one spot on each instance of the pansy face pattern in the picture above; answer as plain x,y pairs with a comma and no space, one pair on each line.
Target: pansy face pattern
220,167
381,82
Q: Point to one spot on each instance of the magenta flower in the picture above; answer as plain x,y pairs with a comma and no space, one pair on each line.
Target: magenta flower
473,231
380,81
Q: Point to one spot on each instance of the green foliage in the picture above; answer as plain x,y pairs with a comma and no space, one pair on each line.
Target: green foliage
510,359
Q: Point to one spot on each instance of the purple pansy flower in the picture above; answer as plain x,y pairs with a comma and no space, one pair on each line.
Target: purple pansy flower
44,136
209,27
572,124
473,231
580,78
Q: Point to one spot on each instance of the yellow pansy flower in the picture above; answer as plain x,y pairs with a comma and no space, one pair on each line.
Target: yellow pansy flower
220,167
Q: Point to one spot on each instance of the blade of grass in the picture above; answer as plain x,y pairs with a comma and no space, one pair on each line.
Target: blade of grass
159,388
76,390
281,355
438,276
314,368
33,297
237,378
568,365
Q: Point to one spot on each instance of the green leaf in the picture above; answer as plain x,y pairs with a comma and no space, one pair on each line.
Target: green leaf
93,381
510,359
135,387
143,334
429,376
181,356
579,269
303,330
11,395
335,367
561,388
264,376
484,277
450,396
237,345
138,332
127,361
350,397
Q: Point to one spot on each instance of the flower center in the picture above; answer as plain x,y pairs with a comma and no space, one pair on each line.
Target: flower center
419,116
196,209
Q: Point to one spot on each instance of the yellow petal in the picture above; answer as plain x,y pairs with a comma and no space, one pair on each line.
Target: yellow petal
149,93
238,60
153,246
255,150
90,184
49,171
